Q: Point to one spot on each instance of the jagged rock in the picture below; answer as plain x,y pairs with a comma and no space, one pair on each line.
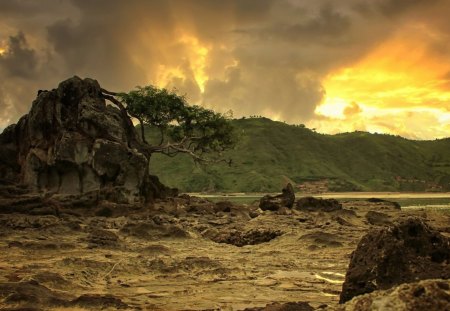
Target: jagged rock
409,251
274,203
422,295
385,204
313,204
250,237
72,142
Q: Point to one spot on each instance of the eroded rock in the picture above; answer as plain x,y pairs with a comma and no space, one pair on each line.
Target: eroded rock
30,293
99,302
315,204
422,295
71,142
409,251
274,203
250,237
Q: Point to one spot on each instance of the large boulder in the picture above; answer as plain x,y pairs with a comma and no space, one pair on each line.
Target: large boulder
274,203
72,142
409,251
312,204
422,295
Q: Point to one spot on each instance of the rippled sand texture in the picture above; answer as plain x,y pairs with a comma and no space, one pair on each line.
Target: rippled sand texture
158,260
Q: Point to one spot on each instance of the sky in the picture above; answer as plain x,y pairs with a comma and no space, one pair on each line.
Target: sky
336,66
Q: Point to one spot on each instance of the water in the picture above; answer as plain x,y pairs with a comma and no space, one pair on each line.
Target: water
406,200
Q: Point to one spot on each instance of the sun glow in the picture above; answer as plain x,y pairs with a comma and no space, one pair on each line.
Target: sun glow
166,74
197,59
333,107
399,79
191,65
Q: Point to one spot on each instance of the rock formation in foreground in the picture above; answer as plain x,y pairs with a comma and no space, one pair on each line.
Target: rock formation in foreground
274,203
409,251
72,142
423,295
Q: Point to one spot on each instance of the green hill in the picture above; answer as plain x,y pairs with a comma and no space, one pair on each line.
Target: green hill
271,153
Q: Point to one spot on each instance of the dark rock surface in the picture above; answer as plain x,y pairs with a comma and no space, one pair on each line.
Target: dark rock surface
423,295
71,142
274,203
409,251
32,293
314,204
103,238
250,237
99,302
391,204
290,306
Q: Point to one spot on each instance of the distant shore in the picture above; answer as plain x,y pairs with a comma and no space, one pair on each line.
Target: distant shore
439,200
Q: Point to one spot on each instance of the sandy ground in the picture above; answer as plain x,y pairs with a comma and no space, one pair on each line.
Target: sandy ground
164,259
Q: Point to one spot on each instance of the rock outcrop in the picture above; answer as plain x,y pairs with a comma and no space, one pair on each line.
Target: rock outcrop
72,142
274,203
317,205
384,204
422,295
409,251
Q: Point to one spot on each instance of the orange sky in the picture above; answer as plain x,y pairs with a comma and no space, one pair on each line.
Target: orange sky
379,66
401,87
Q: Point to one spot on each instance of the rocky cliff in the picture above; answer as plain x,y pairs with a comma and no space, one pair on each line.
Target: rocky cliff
72,142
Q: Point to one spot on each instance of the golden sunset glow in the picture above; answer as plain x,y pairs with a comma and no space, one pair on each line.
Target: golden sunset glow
197,59
401,77
193,60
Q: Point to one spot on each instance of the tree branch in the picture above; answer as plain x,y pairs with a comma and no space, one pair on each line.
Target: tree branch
162,136
108,92
142,130
128,126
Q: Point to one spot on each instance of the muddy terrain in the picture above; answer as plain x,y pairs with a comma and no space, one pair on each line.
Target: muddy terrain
185,253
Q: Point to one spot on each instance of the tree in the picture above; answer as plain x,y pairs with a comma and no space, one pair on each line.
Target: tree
182,128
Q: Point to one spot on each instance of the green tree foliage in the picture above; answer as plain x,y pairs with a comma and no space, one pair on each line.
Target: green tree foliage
183,128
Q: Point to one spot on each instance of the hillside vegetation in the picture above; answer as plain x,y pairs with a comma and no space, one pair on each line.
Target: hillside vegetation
271,153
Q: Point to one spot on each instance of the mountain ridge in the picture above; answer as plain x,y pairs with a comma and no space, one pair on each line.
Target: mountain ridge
271,153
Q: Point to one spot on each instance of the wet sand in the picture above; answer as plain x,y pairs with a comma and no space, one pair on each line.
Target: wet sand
166,258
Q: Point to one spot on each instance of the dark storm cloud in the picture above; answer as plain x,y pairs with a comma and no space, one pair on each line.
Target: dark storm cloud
328,24
19,60
23,7
263,56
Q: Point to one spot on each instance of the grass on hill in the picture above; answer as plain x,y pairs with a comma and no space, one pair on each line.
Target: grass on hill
271,153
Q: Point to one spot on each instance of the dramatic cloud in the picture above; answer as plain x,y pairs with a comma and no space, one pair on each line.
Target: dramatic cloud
333,65
18,60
